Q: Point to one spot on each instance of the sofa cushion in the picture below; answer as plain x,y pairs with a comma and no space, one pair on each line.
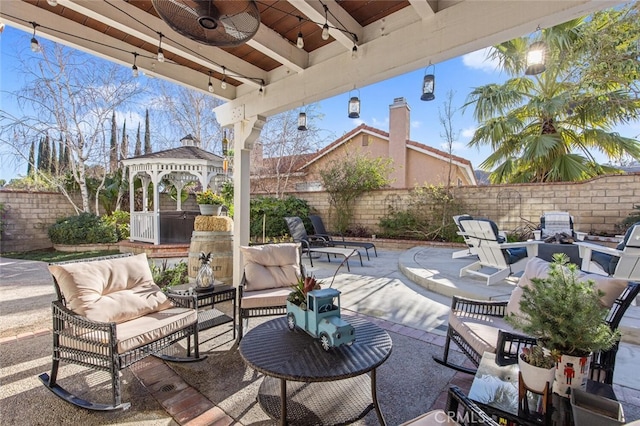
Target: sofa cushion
136,332
538,268
111,290
266,298
271,265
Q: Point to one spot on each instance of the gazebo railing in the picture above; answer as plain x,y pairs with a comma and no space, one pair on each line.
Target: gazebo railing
143,227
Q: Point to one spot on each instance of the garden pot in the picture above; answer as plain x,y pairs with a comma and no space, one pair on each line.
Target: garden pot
536,378
210,209
571,372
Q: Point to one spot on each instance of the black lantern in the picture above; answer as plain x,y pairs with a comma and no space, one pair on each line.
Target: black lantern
302,121
225,144
536,56
428,85
354,106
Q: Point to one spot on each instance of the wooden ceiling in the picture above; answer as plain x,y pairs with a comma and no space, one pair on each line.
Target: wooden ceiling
392,37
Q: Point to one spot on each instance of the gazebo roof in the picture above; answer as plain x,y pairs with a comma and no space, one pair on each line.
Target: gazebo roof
180,153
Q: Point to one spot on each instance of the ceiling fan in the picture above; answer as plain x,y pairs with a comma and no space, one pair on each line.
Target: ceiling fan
224,23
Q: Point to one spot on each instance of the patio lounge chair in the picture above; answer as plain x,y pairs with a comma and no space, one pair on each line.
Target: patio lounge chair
478,326
269,273
497,260
320,231
109,315
470,250
313,244
460,410
553,223
620,262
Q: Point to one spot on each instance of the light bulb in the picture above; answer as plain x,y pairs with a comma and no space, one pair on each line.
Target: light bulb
1,27
354,52
210,87
52,3
300,42
134,70
325,31
223,84
160,55
35,46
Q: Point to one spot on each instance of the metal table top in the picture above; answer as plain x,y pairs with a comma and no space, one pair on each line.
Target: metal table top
271,348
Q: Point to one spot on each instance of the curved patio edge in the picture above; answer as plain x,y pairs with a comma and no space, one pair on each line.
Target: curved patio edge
433,269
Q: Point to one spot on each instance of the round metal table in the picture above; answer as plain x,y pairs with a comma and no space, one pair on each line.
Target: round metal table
326,388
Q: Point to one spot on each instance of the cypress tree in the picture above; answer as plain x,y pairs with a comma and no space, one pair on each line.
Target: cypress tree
41,155
113,146
124,145
147,135
46,153
61,165
138,150
32,159
54,160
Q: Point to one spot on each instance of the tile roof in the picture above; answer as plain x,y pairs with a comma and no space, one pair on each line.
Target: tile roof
181,153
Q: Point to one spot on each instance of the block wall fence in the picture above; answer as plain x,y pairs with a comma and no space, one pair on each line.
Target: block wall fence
597,205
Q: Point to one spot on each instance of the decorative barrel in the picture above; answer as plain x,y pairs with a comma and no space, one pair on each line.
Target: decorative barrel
218,240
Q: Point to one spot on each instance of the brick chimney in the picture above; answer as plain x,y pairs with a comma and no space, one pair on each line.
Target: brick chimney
399,123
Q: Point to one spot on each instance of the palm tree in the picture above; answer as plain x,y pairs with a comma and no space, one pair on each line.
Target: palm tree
547,127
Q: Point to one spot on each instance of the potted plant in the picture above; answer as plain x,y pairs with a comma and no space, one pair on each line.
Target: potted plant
566,316
537,368
209,202
298,295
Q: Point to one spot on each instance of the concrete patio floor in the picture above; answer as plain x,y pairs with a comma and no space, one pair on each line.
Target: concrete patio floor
221,390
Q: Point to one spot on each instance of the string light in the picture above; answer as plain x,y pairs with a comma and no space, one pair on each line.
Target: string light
210,84
325,27
134,68
1,27
261,91
35,46
354,52
223,83
300,41
160,51
52,3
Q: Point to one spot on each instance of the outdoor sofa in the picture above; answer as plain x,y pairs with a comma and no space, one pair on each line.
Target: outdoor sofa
109,314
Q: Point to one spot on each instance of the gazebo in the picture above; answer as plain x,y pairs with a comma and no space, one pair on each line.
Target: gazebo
178,167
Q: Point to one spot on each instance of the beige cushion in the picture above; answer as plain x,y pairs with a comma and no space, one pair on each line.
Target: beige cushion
112,290
538,268
432,418
480,331
137,332
265,298
271,265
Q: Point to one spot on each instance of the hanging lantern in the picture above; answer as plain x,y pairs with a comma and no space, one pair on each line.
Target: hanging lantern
536,58
225,144
354,106
428,85
302,121
204,277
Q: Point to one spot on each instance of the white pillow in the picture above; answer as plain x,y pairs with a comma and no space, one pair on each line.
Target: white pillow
271,265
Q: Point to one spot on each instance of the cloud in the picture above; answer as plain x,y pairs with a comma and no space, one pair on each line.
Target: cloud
456,147
358,121
479,60
468,132
380,123
416,124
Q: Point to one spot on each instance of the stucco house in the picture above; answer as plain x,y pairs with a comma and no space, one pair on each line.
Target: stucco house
414,163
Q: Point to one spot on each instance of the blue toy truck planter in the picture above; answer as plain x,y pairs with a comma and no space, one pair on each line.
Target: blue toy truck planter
322,318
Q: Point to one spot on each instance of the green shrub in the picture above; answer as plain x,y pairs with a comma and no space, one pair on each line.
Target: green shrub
271,212
86,228
168,276
630,220
120,219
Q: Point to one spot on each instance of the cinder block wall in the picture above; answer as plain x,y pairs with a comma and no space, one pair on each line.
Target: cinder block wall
27,217
597,205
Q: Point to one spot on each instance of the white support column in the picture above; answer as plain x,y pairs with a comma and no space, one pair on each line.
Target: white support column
132,201
145,191
245,132
155,178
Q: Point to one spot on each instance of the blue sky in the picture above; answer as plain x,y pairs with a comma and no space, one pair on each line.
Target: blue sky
459,75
